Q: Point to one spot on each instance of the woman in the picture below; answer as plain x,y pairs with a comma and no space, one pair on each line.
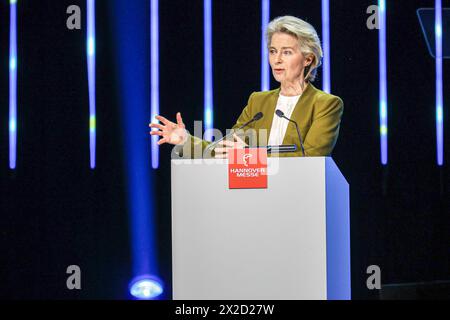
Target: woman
295,54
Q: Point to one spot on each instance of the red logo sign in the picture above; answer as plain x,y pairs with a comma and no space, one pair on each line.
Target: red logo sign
247,168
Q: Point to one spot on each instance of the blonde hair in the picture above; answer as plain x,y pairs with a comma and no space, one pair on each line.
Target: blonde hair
307,37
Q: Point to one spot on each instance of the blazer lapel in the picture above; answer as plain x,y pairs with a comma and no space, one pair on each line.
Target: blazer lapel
299,113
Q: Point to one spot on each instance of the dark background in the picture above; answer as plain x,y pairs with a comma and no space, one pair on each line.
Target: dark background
55,211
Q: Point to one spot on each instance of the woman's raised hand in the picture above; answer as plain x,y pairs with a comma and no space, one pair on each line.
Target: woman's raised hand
173,133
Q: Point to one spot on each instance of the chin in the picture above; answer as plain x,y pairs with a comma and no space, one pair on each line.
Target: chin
278,79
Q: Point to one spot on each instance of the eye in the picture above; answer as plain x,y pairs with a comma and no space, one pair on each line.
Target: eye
287,52
272,51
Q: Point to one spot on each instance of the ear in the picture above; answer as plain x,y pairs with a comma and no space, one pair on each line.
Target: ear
309,60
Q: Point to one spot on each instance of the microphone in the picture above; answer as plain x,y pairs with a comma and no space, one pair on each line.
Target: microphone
256,117
281,115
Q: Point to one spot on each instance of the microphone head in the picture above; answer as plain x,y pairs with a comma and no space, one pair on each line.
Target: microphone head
258,116
279,113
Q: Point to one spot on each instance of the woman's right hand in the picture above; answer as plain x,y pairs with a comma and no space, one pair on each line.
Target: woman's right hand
173,133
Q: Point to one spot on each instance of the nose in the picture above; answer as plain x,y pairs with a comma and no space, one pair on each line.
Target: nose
278,59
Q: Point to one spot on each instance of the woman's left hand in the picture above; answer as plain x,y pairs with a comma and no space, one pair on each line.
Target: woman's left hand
223,147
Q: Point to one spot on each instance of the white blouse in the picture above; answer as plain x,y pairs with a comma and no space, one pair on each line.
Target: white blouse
279,125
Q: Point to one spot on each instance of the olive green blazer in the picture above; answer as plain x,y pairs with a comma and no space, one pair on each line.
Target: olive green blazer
318,115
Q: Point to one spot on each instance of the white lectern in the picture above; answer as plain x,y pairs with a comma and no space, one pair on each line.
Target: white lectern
289,241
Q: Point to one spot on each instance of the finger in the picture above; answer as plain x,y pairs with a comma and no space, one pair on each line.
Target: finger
180,120
221,150
226,143
221,156
239,142
156,125
163,120
237,138
161,141
156,133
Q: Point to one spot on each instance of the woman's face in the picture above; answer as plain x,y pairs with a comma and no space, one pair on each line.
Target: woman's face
286,59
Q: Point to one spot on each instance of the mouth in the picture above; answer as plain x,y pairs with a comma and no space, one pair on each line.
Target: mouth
278,70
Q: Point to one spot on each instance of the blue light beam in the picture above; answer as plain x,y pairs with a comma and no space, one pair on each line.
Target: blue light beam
154,69
90,51
439,85
208,69
383,107
13,85
131,30
265,73
326,67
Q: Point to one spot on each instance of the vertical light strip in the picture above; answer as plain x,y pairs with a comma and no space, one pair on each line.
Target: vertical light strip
265,75
383,83
131,39
13,85
154,58
208,69
326,84
90,44
439,84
